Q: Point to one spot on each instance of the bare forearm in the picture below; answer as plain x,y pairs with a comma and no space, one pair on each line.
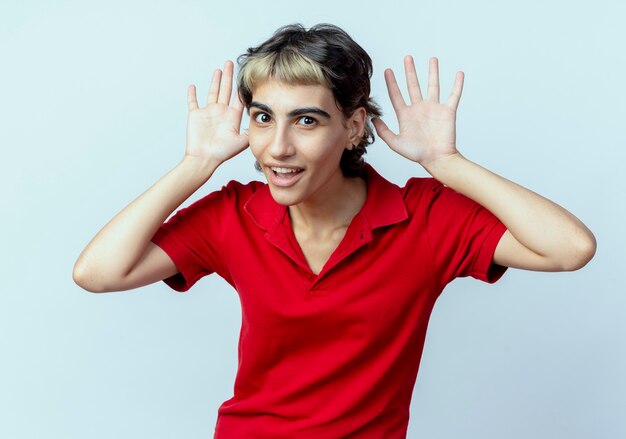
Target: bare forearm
541,235
116,248
539,224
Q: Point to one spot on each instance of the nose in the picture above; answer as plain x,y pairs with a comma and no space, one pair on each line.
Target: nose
280,144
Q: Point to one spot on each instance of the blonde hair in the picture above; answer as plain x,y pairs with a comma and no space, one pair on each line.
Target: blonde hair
287,66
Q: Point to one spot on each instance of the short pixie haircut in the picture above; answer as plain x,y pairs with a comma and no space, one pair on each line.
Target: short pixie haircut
322,55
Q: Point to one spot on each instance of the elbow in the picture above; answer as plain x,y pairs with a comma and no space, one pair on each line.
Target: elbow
581,253
86,280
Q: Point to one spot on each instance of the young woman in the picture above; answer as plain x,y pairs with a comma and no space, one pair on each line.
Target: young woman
336,268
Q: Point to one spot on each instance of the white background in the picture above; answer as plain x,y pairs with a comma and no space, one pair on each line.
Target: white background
93,112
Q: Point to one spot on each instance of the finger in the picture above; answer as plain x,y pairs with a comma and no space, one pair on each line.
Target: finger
192,102
412,83
238,102
238,106
457,89
226,86
215,87
433,80
397,101
383,131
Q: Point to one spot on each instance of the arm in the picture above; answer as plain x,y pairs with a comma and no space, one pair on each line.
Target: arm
541,235
121,256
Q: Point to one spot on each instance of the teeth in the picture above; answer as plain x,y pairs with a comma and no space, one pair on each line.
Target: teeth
284,170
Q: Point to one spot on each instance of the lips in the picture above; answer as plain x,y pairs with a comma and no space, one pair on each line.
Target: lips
284,176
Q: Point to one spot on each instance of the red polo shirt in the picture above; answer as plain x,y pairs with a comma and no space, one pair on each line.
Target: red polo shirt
333,355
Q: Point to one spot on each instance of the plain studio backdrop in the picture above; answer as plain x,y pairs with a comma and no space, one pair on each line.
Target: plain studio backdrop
93,112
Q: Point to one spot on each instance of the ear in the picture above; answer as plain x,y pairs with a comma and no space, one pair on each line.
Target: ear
356,123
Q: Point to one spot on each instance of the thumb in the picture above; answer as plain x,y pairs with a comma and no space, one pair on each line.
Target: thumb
383,131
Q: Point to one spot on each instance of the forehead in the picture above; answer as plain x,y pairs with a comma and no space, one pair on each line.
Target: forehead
281,95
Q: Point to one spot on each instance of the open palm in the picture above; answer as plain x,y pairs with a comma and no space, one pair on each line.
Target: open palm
213,131
427,128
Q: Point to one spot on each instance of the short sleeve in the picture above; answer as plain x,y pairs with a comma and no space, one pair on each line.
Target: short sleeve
193,236
462,235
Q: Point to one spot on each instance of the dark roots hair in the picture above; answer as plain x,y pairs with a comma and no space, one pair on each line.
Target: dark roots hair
322,55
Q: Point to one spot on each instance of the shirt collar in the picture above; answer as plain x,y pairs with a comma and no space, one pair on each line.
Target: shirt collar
384,205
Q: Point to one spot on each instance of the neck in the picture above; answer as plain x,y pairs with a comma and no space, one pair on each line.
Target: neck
333,209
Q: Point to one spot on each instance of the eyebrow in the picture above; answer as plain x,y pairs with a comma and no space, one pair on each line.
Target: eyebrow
292,113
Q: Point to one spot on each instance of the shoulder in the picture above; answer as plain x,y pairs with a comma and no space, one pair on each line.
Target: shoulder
433,199
243,189
431,189
421,184
419,190
232,196
235,191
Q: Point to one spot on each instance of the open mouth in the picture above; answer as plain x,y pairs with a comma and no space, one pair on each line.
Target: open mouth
285,172
285,176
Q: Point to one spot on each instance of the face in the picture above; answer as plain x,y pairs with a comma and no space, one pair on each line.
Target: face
298,134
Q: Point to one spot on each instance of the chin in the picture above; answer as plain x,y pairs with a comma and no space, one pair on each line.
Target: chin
283,198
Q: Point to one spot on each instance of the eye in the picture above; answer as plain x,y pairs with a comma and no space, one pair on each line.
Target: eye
262,117
307,120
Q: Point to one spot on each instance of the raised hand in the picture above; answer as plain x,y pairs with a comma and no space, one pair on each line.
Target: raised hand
213,131
427,128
